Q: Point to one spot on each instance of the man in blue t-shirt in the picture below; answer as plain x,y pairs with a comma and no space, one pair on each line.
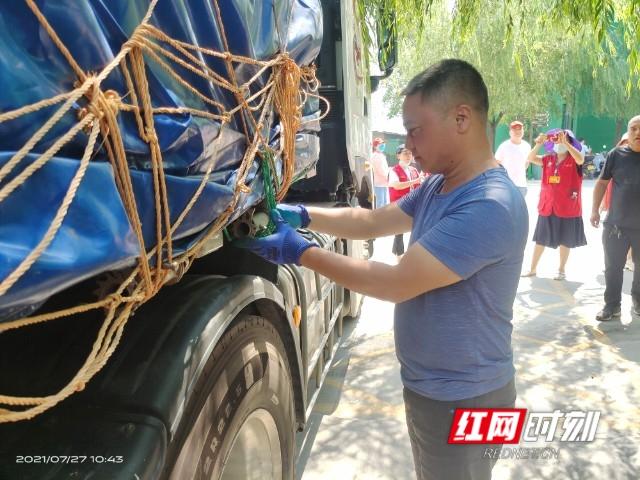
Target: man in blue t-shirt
455,286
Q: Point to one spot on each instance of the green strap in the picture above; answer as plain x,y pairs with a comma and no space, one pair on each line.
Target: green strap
268,176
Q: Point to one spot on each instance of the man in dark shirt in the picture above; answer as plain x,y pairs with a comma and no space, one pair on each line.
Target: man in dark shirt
622,224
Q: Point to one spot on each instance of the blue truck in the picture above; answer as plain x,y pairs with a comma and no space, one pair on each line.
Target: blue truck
214,373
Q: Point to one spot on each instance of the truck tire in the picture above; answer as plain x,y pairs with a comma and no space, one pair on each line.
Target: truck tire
241,422
365,193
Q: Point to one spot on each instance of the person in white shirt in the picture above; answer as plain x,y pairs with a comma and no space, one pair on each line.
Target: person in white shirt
512,155
380,173
586,149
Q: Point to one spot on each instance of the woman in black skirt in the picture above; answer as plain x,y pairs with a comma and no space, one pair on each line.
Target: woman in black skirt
560,205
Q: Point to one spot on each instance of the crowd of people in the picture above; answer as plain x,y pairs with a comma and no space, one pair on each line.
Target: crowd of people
559,224
455,285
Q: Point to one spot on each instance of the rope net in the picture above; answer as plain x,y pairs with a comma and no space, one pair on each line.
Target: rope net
285,91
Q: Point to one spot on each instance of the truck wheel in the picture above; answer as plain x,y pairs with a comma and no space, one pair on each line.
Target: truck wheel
241,422
365,194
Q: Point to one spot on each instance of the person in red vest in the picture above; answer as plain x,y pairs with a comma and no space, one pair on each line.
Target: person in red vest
560,205
402,179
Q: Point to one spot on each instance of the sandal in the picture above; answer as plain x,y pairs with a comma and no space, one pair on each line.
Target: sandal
560,276
528,274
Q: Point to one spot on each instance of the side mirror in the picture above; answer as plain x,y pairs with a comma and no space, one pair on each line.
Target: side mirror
374,80
387,47
387,43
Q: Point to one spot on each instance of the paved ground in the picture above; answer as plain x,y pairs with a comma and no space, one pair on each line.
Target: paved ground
565,360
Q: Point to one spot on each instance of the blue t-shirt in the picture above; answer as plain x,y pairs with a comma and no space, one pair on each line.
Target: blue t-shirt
455,342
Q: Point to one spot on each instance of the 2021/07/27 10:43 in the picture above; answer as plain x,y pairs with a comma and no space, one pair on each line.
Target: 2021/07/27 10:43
69,459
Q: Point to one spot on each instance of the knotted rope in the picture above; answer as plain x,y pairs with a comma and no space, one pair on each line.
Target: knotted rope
155,267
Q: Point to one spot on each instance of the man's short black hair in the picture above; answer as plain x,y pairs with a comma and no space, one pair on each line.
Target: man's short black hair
451,80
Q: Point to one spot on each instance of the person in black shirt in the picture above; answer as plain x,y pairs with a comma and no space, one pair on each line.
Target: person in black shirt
622,224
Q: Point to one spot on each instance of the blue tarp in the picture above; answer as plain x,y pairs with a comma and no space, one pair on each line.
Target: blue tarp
96,235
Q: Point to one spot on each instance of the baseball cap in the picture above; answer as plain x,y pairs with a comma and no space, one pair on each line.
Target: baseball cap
400,148
377,141
516,123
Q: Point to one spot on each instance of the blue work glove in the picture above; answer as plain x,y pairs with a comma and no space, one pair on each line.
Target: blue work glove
283,246
295,215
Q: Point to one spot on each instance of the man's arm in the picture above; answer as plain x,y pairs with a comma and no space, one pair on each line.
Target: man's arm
442,256
360,223
600,188
598,194
418,272
394,182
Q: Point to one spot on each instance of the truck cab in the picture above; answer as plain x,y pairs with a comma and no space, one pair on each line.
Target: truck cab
213,376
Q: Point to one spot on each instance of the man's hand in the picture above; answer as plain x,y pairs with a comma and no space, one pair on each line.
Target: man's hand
283,246
595,219
295,215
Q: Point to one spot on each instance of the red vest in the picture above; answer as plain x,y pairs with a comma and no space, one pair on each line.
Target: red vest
402,176
562,199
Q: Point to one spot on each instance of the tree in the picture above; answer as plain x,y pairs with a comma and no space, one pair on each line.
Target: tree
600,16
516,77
611,89
529,66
